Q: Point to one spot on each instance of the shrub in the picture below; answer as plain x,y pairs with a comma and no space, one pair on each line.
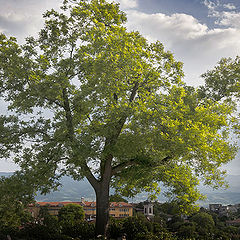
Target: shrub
146,236
134,225
115,228
80,229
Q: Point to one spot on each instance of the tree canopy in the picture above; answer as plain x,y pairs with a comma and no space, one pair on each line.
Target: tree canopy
224,80
70,214
222,83
90,99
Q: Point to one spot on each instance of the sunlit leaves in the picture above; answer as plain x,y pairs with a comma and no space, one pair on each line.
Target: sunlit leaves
86,90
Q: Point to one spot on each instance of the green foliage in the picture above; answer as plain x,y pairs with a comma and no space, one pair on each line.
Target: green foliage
117,198
188,231
146,236
115,229
71,214
13,216
94,100
166,207
71,220
205,224
36,232
79,229
14,198
50,221
223,80
222,84
204,220
136,225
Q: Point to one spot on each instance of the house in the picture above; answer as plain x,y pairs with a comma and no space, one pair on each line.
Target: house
235,222
116,209
224,210
215,207
227,210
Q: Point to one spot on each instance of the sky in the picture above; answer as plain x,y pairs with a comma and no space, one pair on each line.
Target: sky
198,32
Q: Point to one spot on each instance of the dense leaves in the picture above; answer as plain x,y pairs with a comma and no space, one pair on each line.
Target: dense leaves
88,98
223,84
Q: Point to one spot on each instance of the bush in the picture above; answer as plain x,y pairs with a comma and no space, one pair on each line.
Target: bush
36,231
71,213
135,225
146,236
188,230
115,228
80,229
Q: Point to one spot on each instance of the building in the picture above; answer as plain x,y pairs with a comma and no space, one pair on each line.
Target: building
215,207
224,210
116,209
148,209
235,222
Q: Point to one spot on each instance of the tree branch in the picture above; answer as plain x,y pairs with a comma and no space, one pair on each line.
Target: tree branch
133,162
122,166
111,141
134,92
67,109
90,177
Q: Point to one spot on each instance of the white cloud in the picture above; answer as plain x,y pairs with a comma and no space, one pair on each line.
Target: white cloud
23,18
8,166
127,4
229,19
191,41
224,18
182,25
229,6
210,4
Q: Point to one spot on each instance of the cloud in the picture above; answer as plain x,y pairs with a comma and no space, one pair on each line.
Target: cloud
229,6
229,18
127,4
23,18
8,166
181,25
192,42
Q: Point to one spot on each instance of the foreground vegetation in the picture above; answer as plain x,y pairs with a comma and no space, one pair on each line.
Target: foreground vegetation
70,224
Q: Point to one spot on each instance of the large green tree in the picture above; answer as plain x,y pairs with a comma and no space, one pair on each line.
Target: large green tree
89,99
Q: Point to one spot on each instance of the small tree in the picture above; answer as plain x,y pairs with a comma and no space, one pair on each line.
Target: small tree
71,218
205,223
70,214
90,99
15,196
187,231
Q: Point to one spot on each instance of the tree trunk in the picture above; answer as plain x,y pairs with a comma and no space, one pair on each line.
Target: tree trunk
102,208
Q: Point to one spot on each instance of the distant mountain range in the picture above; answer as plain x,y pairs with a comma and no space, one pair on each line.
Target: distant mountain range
73,191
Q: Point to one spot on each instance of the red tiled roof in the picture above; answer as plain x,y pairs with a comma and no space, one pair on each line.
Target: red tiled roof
55,203
87,204
233,221
120,204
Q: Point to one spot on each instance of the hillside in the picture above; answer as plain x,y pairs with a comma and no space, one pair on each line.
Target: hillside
73,191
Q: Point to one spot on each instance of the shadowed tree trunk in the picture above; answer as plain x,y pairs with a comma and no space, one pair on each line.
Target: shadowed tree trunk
102,208
102,188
